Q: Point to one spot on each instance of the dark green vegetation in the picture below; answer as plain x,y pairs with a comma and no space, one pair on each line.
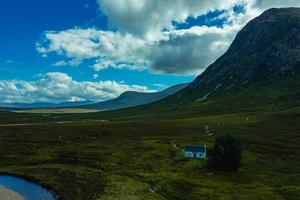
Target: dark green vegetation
252,92
122,159
226,153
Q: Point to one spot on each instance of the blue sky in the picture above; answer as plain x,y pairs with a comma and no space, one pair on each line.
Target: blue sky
73,50
22,24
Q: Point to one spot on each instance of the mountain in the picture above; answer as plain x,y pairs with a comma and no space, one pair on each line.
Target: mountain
131,98
266,50
44,104
259,72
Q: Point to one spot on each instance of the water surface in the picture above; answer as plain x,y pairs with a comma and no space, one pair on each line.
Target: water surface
28,190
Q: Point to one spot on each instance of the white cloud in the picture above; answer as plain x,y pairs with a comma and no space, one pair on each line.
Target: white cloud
147,39
77,44
190,51
159,85
95,76
110,49
182,52
58,87
148,18
60,63
265,4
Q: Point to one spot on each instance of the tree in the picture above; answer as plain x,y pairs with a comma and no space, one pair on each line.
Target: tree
227,153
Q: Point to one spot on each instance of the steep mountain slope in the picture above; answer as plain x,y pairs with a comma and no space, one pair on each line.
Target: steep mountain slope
265,50
259,72
131,98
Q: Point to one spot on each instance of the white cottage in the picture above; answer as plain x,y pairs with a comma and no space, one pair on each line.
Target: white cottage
193,151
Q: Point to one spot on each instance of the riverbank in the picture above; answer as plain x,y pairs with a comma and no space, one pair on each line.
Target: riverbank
27,187
7,194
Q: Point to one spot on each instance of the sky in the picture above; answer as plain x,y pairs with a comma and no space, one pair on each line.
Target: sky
76,50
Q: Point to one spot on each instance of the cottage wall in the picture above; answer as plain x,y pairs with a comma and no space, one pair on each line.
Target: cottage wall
188,154
200,155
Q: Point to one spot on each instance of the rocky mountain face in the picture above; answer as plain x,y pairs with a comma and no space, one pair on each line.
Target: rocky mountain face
131,98
265,50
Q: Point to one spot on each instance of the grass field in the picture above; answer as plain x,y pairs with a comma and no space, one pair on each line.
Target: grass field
94,158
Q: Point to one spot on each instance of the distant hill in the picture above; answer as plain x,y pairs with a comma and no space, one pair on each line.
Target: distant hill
131,98
126,99
44,105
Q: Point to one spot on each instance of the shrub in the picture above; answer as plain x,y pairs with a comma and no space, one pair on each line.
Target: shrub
227,153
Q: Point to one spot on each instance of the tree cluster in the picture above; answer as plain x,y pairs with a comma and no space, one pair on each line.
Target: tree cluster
227,153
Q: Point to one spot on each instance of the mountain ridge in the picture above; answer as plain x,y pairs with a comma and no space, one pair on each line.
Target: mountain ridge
270,52
133,98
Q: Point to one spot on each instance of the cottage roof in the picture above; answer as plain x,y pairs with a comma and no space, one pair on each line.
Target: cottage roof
195,148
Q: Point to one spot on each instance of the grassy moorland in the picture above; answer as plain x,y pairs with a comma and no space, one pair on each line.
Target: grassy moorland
86,156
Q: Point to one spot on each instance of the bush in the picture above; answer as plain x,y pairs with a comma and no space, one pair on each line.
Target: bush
227,153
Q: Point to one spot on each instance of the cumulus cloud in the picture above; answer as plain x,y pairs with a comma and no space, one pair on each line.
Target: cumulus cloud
110,49
147,39
58,87
265,4
159,85
60,63
148,18
192,50
95,76
181,52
